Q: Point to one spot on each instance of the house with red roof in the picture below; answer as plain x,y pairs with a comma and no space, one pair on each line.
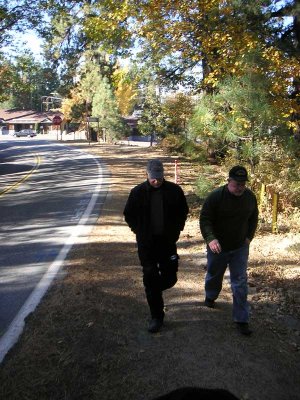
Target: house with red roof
14,120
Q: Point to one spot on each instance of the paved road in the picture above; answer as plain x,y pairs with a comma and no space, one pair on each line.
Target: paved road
50,195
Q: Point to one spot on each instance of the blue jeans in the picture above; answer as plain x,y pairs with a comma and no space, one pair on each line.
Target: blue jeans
237,261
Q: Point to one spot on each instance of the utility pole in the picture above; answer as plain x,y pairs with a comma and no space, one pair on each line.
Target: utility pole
50,102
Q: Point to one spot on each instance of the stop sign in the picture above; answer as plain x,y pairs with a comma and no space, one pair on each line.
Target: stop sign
57,120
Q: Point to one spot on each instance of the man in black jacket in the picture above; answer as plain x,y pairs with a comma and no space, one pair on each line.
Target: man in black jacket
156,211
228,221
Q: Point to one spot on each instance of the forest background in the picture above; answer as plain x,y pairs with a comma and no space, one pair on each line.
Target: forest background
217,81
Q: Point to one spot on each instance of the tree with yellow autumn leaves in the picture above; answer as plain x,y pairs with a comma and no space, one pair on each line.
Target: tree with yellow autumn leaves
213,37
216,49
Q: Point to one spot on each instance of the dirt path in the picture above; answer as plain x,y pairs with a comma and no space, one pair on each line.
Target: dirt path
88,338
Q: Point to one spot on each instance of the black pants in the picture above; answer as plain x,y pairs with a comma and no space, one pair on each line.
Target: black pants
159,260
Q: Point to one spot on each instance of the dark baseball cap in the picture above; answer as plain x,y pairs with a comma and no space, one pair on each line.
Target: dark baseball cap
238,173
155,169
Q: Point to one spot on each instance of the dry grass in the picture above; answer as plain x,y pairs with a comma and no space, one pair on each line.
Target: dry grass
88,338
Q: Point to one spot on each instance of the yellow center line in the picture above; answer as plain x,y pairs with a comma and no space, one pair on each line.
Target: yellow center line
15,185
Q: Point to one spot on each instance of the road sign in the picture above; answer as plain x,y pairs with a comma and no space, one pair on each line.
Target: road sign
57,120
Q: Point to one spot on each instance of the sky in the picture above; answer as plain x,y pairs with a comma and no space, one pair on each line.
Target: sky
27,40
33,42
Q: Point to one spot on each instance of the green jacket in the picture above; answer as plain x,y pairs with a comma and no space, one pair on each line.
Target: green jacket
229,218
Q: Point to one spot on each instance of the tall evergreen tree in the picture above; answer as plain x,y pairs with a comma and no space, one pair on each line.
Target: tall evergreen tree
104,106
153,120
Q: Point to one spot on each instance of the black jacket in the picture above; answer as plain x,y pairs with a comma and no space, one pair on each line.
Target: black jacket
138,215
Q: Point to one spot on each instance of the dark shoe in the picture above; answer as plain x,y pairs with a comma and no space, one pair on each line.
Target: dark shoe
209,302
155,324
243,328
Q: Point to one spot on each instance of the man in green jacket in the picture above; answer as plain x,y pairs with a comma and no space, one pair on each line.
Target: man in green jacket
228,221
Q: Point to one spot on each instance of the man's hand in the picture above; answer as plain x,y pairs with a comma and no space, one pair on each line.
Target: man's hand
215,246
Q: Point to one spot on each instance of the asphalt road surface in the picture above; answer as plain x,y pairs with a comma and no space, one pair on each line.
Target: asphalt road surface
50,196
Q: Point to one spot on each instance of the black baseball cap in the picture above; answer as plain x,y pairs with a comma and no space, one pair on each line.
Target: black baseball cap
155,169
238,173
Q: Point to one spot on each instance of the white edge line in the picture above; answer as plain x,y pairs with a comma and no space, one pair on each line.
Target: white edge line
16,327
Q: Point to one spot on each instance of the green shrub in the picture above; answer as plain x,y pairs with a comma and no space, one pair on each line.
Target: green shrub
204,186
209,179
173,143
180,145
195,151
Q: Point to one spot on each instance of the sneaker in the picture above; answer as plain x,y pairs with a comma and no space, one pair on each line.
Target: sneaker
243,328
155,324
209,302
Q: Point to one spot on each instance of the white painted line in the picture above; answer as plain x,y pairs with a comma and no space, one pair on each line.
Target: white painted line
16,327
